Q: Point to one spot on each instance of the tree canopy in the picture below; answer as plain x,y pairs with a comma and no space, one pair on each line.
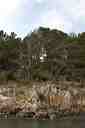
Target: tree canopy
44,54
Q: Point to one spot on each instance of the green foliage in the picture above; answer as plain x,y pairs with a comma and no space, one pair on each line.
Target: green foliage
43,54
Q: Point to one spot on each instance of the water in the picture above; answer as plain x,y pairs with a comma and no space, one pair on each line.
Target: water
24,123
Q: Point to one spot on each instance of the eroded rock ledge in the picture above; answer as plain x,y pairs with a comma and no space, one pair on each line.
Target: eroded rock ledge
42,100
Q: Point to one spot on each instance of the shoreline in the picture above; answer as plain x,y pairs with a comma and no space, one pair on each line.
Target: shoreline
52,116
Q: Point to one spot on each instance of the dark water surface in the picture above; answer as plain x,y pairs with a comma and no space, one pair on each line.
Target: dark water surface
25,123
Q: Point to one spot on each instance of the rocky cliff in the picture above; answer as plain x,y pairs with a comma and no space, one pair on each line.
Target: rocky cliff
42,100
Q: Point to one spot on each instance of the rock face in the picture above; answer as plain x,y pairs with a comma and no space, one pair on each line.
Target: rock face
7,104
67,100
43,101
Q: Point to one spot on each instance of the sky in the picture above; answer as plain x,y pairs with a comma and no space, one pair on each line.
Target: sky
23,16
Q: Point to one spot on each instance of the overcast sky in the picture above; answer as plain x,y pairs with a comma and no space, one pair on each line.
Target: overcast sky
22,16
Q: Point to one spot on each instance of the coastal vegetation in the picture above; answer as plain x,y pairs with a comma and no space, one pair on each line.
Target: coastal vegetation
42,55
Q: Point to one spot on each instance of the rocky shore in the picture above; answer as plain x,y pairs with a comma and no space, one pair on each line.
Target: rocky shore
42,101
40,115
